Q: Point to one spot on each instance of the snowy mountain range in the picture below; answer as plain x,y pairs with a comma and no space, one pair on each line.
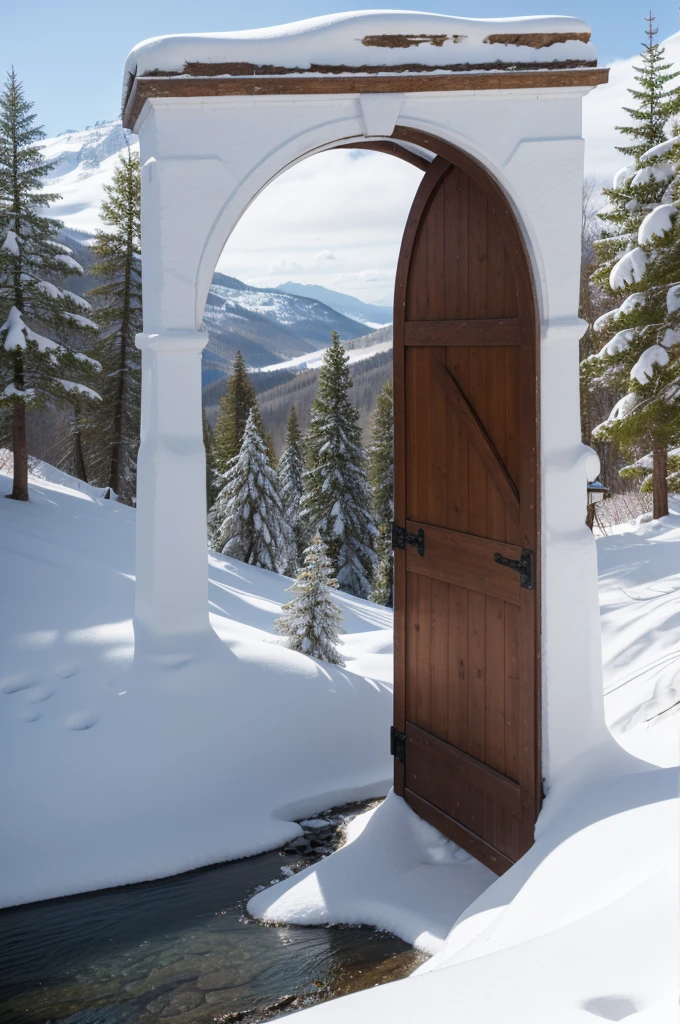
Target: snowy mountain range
268,325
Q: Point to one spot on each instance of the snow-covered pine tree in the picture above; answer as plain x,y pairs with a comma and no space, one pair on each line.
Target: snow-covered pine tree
291,469
311,621
643,356
113,437
647,420
235,407
247,520
381,480
640,357
637,186
34,369
336,501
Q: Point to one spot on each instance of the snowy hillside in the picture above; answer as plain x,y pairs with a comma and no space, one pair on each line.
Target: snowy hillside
127,771
85,163
364,312
265,323
313,360
124,770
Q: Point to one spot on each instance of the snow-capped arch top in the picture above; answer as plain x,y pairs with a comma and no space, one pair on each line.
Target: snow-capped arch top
363,41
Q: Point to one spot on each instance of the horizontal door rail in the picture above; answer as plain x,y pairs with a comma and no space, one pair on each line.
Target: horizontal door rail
465,561
456,766
501,331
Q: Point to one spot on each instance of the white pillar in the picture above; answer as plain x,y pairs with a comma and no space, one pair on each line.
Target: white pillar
171,600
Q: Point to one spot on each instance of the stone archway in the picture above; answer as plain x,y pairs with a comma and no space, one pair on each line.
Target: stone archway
219,118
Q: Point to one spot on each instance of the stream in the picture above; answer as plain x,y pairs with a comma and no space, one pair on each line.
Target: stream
182,950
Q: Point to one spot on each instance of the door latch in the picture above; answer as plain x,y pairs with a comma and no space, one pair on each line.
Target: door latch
400,538
524,565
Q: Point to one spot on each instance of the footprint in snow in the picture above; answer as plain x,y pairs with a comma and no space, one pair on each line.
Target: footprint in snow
17,681
37,694
30,715
66,669
80,720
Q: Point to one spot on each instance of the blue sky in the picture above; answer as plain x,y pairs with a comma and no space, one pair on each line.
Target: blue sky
70,55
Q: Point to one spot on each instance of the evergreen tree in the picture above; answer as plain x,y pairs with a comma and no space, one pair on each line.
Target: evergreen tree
247,520
655,103
336,502
381,480
311,621
34,369
291,469
643,357
642,375
212,480
637,187
235,407
114,427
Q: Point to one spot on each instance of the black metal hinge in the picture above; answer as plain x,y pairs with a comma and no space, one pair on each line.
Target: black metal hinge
523,565
398,744
400,538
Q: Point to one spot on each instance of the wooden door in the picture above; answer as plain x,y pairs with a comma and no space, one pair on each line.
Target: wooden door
465,734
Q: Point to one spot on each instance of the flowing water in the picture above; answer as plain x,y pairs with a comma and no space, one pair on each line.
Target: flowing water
182,951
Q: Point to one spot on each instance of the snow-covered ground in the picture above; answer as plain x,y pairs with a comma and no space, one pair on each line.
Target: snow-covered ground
585,926
117,771
312,360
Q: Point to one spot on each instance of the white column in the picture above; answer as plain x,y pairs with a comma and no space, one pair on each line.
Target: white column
172,557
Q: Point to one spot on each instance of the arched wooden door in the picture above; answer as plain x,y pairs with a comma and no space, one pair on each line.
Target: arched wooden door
466,722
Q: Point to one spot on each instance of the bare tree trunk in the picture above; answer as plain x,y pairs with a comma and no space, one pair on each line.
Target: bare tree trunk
79,469
20,482
590,515
660,483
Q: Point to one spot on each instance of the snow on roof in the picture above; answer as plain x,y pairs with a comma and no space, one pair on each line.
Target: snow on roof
362,41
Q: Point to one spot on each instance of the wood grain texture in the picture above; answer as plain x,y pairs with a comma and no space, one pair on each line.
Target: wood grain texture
465,320
142,88
491,331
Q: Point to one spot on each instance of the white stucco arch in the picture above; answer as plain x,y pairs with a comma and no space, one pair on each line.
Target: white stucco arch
206,156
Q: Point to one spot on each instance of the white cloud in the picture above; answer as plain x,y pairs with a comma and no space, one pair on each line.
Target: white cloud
283,266
329,213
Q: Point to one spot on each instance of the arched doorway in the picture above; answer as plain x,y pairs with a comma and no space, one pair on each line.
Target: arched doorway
220,117
466,512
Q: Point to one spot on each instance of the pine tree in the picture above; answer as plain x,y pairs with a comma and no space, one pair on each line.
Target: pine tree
637,187
212,480
311,621
643,357
34,369
247,520
655,103
114,428
381,480
291,470
336,501
235,407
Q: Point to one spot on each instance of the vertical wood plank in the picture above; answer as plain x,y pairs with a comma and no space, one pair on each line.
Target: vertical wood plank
512,684
439,660
423,651
477,474
457,729
476,701
494,712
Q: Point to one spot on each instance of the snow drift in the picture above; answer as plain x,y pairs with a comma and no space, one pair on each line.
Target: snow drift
118,771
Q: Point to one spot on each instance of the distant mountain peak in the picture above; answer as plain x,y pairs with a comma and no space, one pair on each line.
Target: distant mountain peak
368,313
